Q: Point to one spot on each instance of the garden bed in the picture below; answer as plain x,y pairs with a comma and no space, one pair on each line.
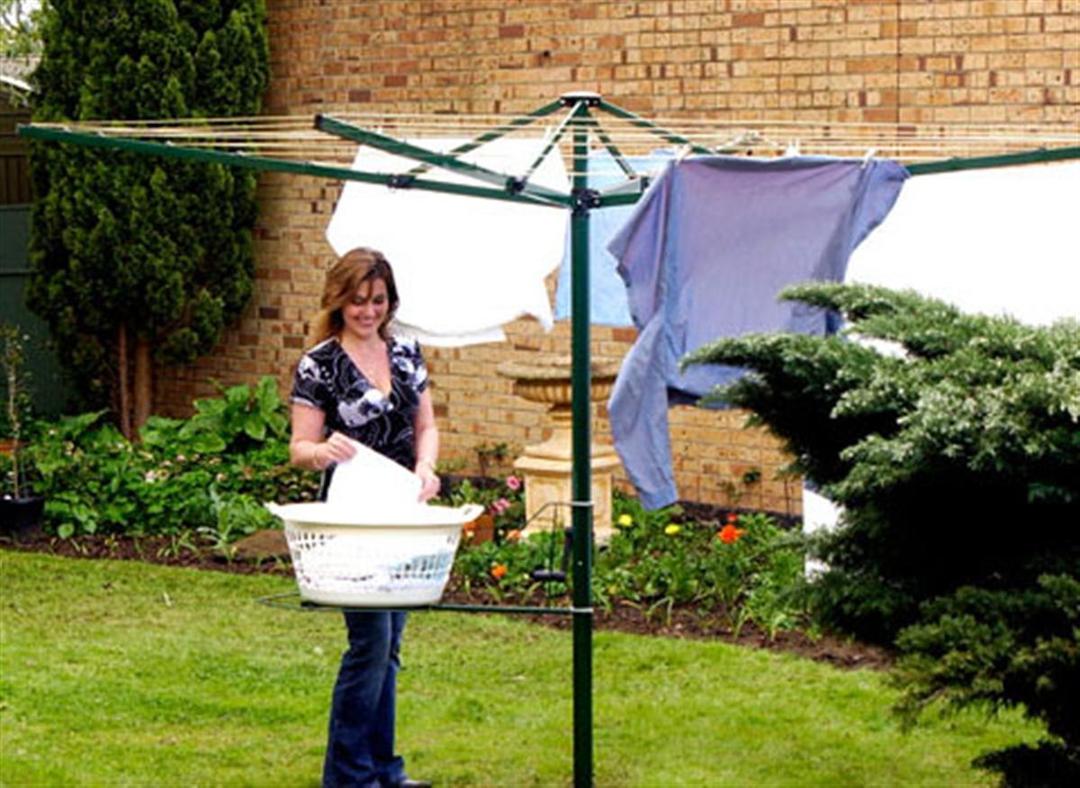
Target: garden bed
685,621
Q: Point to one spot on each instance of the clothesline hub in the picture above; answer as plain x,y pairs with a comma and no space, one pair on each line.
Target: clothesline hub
586,97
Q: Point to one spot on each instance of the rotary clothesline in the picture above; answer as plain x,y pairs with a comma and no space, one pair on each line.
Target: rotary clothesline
290,145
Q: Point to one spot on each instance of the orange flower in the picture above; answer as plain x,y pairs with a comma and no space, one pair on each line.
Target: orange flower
732,518
729,534
513,535
498,571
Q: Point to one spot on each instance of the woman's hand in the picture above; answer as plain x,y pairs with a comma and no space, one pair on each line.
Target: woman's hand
427,447
336,448
307,447
429,480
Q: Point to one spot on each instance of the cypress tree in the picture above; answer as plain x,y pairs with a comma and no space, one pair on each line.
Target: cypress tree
135,256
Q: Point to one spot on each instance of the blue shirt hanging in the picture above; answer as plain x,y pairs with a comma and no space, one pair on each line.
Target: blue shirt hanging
705,254
607,290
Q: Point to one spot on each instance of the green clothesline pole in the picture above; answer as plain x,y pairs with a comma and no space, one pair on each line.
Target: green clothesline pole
581,471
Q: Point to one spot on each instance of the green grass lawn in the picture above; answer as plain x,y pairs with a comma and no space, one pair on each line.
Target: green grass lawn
123,673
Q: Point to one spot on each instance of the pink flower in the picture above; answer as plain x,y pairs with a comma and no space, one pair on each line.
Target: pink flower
500,506
513,483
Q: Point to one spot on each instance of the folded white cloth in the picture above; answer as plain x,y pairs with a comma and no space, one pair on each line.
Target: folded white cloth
464,266
368,479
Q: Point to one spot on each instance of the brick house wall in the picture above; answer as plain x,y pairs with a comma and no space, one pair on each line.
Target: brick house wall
911,61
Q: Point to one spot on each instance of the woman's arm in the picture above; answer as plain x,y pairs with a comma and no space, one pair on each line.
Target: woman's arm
307,447
427,446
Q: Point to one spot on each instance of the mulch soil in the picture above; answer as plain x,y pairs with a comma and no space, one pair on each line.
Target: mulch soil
684,622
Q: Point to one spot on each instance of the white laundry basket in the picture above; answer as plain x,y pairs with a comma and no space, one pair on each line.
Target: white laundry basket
398,558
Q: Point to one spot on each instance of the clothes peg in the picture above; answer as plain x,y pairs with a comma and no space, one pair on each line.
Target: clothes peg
870,153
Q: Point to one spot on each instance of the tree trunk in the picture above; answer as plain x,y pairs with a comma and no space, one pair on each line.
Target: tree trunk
122,399
144,386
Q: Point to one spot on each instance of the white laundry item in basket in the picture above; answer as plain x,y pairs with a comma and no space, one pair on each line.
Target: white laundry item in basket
369,479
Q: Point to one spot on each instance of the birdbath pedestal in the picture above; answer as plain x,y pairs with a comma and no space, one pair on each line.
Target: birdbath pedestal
547,467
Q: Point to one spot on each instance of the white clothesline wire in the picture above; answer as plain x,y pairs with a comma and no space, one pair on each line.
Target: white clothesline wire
682,127
293,136
487,122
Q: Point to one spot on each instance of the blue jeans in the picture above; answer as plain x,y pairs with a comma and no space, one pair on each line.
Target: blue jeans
360,750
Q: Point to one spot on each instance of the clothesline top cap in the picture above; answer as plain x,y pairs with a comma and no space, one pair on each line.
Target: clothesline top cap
575,96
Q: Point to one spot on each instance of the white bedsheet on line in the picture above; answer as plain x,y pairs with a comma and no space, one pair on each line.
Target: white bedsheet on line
464,266
998,241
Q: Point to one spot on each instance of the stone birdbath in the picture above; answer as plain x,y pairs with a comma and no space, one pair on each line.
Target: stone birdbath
547,467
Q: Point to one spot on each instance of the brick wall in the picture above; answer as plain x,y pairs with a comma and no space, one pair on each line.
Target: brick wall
975,61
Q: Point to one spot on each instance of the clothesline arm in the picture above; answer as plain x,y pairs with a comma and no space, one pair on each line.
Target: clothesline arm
496,133
1040,156
556,136
445,161
614,198
641,123
268,164
613,149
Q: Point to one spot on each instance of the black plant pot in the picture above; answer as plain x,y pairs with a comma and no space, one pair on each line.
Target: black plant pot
21,517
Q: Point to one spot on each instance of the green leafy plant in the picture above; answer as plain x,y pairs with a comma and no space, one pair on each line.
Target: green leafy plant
207,472
19,34
235,516
89,475
980,417
179,543
492,457
750,569
501,569
240,418
503,499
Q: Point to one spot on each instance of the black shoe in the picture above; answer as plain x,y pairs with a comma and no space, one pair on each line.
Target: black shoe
407,783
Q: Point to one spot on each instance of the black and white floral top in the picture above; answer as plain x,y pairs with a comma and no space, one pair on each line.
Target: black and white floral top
327,379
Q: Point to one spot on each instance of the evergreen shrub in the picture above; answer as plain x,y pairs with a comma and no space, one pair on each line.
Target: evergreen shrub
130,250
957,463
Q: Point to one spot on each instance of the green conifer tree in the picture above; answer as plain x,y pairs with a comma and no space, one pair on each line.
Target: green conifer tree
131,255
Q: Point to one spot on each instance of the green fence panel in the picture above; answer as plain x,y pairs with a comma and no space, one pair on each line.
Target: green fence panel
45,382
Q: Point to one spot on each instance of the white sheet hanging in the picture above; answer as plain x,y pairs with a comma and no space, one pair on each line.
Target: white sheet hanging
997,241
464,267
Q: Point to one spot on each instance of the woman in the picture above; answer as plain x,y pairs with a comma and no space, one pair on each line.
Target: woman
360,384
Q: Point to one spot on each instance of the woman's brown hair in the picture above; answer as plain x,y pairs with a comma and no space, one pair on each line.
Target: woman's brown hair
343,280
